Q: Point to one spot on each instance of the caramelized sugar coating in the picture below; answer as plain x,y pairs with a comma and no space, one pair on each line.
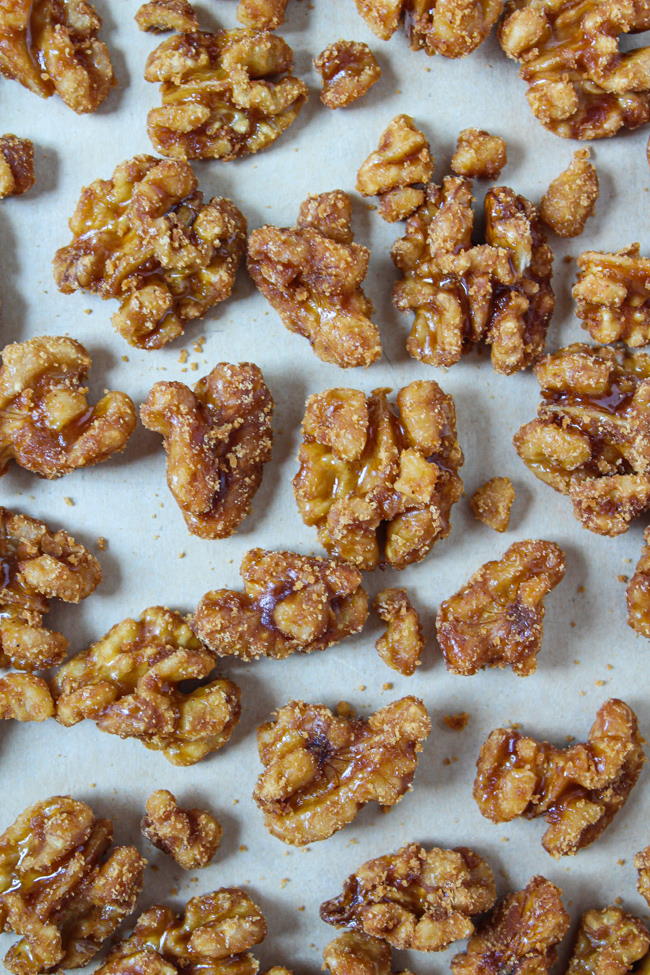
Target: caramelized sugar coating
498,293
497,619
217,439
452,28
261,14
415,898
642,864
402,644
397,171
379,481
519,936
578,789
638,591
492,503
591,437
129,683
225,95
312,275
146,237
52,46
62,888
321,769
608,942
160,16
190,836
571,197
38,565
479,155
612,295
354,953
290,604
349,69
581,86
16,164
25,697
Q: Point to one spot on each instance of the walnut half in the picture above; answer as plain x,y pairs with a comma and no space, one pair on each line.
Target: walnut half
190,836
397,171
16,165
349,69
608,942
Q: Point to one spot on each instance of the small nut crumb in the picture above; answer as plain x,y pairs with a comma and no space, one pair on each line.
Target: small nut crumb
398,170
349,69
190,836
479,155
612,295
160,16
183,356
456,722
492,503
102,543
16,160
608,942
69,502
402,644
387,686
571,197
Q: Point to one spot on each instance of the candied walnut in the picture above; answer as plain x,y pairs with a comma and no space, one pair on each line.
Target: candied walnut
612,296
349,69
452,28
520,934
497,619
290,604
578,789
320,769
479,155
398,170
312,274
160,16
190,836
379,482
38,565
62,888
217,439
129,683
147,238
608,942
642,864
492,503
354,953
638,591
24,697
261,14
415,898
225,95
591,437
16,164
498,293
571,197
402,644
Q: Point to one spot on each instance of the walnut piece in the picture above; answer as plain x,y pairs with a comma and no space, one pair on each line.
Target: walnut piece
190,836
398,170
581,86
225,95
452,28
16,163
379,482
147,238
354,953
62,888
160,16
638,591
290,604
415,898
479,155
612,296
38,565
217,439
642,864
571,197
492,503
52,46
578,789
497,619
498,293
129,683
608,942
320,769
591,439
349,69
402,644
519,936
25,697
261,14
312,275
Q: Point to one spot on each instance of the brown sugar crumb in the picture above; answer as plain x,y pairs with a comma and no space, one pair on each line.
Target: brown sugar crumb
415,898
571,197
388,686
261,14
69,502
190,836
354,953
452,29
16,161
608,942
183,356
349,69
578,789
312,275
497,619
160,16
398,170
638,591
612,295
492,502
24,697
402,644
479,155
642,865
320,769
456,722
623,578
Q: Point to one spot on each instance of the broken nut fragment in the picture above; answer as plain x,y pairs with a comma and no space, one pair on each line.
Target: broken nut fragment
608,942
16,164
320,769
638,591
190,836
497,619
402,644
349,69
452,28
398,170
261,14
571,197
578,789
25,697
217,439
492,503
479,155
159,16
642,864
612,296
290,604
354,953
129,683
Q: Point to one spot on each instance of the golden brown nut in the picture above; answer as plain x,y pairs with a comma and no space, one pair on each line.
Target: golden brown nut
224,95
349,69
498,293
312,275
519,936
159,16
497,619
612,296
290,604
261,14
402,644
591,438
129,683
147,238
452,28
62,887
580,85
190,836
638,591
16,164
571,197
320,769
415,898
51,46
642,864
354,953
578,789
217,439
479,155
25,697
379,482
608,942
398,170
492,503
